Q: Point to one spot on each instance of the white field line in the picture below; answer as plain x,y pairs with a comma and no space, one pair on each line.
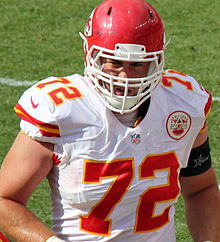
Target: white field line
16,83
216,99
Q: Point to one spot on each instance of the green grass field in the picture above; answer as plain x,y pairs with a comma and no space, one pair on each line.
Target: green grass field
40,38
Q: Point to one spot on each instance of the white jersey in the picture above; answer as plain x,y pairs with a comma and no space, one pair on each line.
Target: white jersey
109,181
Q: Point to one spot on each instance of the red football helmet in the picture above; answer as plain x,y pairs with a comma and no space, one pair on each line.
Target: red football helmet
124,30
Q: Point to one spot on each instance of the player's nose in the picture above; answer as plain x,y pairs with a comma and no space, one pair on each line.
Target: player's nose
125,71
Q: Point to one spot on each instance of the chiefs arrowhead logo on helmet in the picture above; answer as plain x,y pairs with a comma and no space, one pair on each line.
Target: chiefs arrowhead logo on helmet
88,28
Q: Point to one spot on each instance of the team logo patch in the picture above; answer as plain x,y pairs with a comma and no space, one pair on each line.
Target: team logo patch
178,124
135,138
88,28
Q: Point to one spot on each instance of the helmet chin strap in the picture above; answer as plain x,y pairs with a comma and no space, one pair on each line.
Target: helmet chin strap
118,103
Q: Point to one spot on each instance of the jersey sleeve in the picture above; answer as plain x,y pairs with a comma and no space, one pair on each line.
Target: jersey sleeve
197,96
36,110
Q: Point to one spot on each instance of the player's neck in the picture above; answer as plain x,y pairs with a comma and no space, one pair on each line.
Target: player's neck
130,119
127,119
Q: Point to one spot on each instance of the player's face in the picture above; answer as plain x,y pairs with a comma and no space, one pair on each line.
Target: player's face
124,69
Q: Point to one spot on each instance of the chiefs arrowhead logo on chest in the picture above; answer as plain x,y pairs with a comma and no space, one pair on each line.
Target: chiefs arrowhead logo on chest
178,124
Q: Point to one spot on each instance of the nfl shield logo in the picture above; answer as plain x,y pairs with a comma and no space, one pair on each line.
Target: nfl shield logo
135,138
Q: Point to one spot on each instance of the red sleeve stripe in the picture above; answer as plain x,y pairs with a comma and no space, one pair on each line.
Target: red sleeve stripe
208,105
48,130
204,127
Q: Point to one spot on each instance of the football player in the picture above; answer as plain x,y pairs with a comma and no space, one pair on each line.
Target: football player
118,146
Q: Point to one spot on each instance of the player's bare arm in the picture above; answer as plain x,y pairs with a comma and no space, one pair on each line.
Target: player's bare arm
203,221
27,163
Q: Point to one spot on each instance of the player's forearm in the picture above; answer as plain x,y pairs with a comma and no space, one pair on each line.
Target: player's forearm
204,221
20,224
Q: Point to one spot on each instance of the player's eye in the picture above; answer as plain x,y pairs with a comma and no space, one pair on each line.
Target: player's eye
115,63
137,63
